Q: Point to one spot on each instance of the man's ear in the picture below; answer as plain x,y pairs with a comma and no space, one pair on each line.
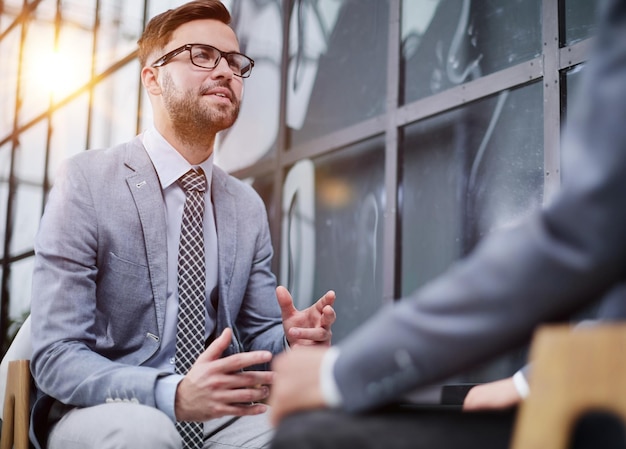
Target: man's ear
150,80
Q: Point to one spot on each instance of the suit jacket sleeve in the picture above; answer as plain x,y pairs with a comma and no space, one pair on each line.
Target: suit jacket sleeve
566,255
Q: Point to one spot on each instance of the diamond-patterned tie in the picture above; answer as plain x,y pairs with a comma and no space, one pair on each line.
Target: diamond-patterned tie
191,292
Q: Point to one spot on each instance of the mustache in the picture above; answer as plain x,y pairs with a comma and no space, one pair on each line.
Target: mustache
205,89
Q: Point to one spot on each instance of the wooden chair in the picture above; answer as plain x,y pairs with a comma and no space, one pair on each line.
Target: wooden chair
15,383
574,372
16,414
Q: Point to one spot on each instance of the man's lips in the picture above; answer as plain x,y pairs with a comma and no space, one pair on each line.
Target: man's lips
220,92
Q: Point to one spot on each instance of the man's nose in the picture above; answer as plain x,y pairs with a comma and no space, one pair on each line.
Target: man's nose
222,70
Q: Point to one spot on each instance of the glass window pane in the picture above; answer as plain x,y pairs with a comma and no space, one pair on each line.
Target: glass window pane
253,136
29,172
573,78
337,65
572,82
449,42
69,132
580,20
121,24
73,59
332,229
20,292
466,172
56,71
36,86
9,50
114,118
264,186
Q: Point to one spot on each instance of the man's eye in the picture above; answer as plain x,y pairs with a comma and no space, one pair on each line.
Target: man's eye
203,55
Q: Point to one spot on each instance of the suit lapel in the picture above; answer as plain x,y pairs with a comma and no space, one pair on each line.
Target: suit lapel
145,188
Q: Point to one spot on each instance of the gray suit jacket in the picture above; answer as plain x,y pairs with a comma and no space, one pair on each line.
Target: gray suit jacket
563,257
99,283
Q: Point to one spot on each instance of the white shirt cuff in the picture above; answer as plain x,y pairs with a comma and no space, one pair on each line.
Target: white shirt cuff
328,385
165,394
521,385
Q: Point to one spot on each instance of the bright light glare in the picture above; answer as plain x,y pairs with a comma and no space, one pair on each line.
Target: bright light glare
54,73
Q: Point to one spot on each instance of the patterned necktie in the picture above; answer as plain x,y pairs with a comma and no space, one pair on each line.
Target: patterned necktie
191,292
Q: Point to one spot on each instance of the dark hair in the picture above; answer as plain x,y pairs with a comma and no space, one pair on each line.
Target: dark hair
160,28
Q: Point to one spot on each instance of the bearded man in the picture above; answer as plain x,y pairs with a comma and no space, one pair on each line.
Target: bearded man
154,312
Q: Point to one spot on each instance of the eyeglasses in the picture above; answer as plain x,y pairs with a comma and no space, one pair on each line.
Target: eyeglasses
209,57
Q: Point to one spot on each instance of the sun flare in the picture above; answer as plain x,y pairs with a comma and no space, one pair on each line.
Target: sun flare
55,74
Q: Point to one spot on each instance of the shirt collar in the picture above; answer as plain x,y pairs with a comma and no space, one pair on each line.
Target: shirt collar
169,163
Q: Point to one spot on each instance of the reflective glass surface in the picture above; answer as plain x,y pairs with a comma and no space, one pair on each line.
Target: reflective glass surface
449,42
465,173
337,65
54,70
264,186
580,20
114,118
20,291
9,49
333,220
69,132
29,172
36,86
121,24
572,80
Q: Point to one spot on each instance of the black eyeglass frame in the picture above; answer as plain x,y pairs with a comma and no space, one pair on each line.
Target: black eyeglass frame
166,58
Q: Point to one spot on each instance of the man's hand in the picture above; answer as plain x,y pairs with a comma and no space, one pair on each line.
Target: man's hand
497,395
310,326
216,386
297,382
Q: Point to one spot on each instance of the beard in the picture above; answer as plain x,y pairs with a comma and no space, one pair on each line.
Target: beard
194,121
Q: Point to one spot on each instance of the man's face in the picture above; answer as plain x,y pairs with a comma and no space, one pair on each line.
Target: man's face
201,101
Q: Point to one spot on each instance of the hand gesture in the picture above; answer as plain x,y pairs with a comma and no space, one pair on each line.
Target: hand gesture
216,386
310,326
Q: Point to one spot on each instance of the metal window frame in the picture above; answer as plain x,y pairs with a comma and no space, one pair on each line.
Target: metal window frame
548,68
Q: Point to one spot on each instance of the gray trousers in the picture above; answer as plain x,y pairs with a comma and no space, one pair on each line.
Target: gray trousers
127,425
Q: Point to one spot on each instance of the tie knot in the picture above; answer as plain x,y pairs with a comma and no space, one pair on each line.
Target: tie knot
193,180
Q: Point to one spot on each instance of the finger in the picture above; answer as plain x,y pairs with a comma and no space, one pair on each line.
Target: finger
327,300
251,379
316,334
285,302
242,396
243,409
328,317
237,362
217,347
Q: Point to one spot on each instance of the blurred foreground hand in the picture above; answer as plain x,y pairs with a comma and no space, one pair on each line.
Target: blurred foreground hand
296,382
498,395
